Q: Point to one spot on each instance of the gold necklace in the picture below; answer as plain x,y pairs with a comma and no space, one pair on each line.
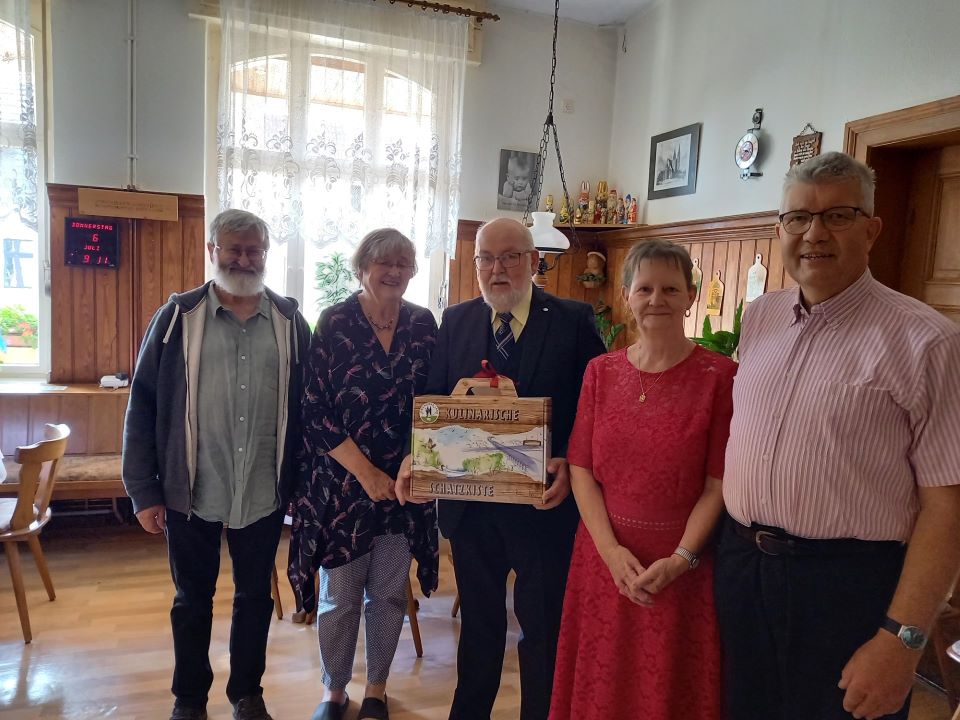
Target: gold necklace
643,392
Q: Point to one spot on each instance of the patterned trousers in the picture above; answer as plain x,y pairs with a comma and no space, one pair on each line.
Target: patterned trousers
377,582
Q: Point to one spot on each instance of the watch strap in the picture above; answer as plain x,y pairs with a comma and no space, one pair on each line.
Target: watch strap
912,637
690,557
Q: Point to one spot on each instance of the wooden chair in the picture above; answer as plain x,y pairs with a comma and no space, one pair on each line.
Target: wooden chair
22,518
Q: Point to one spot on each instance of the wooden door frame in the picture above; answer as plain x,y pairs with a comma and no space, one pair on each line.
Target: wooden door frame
901,127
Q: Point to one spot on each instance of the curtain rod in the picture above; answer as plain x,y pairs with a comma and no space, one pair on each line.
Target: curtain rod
446,9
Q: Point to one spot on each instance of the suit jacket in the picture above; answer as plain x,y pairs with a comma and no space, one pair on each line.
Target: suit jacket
559,339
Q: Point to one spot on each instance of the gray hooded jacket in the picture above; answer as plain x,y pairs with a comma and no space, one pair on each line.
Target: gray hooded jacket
159,432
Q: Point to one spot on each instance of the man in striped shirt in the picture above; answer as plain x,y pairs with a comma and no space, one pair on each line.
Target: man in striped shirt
842,472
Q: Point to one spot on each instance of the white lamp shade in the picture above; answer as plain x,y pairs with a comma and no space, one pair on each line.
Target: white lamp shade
546,238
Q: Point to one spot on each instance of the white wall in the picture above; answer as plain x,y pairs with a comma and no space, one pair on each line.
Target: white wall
506,104
88,72
820,61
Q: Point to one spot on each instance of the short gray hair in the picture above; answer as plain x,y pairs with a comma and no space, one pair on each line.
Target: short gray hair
380,244
235,221
834,167
657,250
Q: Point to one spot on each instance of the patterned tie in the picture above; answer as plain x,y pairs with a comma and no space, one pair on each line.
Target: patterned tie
504,335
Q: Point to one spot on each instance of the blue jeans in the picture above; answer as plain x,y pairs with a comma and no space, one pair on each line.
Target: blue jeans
194,550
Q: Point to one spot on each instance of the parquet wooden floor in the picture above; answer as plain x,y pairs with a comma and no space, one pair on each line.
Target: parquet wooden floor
103,648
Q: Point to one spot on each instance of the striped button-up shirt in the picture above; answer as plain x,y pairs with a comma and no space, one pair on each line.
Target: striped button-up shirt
841,412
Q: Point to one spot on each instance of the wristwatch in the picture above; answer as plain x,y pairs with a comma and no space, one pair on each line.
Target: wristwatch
694,560
912,637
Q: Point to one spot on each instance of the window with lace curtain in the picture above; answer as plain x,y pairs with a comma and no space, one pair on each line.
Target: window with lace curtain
23,303
330,130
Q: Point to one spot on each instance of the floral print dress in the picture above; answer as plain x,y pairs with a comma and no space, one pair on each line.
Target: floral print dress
355,389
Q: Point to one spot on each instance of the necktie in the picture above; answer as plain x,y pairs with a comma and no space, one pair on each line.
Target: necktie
504,335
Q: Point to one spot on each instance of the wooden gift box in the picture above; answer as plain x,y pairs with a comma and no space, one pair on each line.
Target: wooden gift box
490,446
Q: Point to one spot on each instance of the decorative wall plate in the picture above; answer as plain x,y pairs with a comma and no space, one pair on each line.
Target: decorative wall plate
747,149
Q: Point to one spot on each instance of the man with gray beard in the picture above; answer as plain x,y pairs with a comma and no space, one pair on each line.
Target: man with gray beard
543,343
209,442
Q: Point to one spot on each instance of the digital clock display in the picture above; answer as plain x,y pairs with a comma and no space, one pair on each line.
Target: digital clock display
91,242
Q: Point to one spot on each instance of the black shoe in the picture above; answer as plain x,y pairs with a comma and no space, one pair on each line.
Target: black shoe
251,708
331,710
182,712
374,709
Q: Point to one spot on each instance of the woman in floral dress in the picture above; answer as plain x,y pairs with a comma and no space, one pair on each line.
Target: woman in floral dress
369,355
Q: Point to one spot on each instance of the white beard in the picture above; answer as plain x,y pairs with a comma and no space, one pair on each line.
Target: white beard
503,301
239,283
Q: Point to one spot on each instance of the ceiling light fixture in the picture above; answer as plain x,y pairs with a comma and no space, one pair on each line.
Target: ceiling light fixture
546,238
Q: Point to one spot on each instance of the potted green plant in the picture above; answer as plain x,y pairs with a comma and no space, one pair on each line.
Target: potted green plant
334,278
592,280
605,326
722,341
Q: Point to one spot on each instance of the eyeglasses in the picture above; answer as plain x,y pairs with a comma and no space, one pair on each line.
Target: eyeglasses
797,222
233,253
507,260
399,266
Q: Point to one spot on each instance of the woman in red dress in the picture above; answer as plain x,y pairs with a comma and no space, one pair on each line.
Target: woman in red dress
639,635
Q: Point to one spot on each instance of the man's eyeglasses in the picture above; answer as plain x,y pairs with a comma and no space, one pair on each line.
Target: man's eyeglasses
233,253
507,260
399,266
797,222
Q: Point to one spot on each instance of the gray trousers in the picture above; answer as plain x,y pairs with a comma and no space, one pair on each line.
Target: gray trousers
377,582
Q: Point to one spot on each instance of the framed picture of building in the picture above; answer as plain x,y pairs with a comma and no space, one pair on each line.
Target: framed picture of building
673,162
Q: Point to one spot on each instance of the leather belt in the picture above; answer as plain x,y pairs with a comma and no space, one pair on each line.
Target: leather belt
774,541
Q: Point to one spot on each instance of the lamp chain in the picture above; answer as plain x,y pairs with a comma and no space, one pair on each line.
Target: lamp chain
549,125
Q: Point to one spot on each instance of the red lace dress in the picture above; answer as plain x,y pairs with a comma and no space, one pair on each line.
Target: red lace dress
616,659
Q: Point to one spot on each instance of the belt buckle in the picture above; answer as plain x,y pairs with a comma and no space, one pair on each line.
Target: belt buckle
758,539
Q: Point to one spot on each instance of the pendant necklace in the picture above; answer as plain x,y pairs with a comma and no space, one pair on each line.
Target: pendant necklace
643,392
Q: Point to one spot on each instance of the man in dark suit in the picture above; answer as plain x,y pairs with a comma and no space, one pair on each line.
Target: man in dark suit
544,344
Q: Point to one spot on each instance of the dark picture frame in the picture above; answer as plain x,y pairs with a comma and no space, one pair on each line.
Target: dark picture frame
673,162
517,181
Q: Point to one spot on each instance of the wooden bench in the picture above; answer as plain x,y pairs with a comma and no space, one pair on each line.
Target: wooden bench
91,468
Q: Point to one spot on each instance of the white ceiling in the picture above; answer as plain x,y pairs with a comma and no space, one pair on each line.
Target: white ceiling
595,12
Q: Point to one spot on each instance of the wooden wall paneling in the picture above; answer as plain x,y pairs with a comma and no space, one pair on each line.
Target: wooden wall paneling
62,205
126,350
99,315
706,264
84,312
720,265
690,324
75,412
776,270
108,307
731,273
150,270
748,253
171,265
14,422
763,248
43,409
468,272
105,423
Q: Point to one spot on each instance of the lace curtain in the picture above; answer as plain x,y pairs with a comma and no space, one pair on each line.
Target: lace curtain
18,119
337,117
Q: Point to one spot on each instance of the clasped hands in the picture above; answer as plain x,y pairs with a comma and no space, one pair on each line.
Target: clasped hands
557,492
638,583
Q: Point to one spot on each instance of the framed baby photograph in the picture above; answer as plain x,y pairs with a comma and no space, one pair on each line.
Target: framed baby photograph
517,182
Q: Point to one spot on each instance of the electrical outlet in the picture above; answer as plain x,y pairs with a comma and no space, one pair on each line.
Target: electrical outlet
566,106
